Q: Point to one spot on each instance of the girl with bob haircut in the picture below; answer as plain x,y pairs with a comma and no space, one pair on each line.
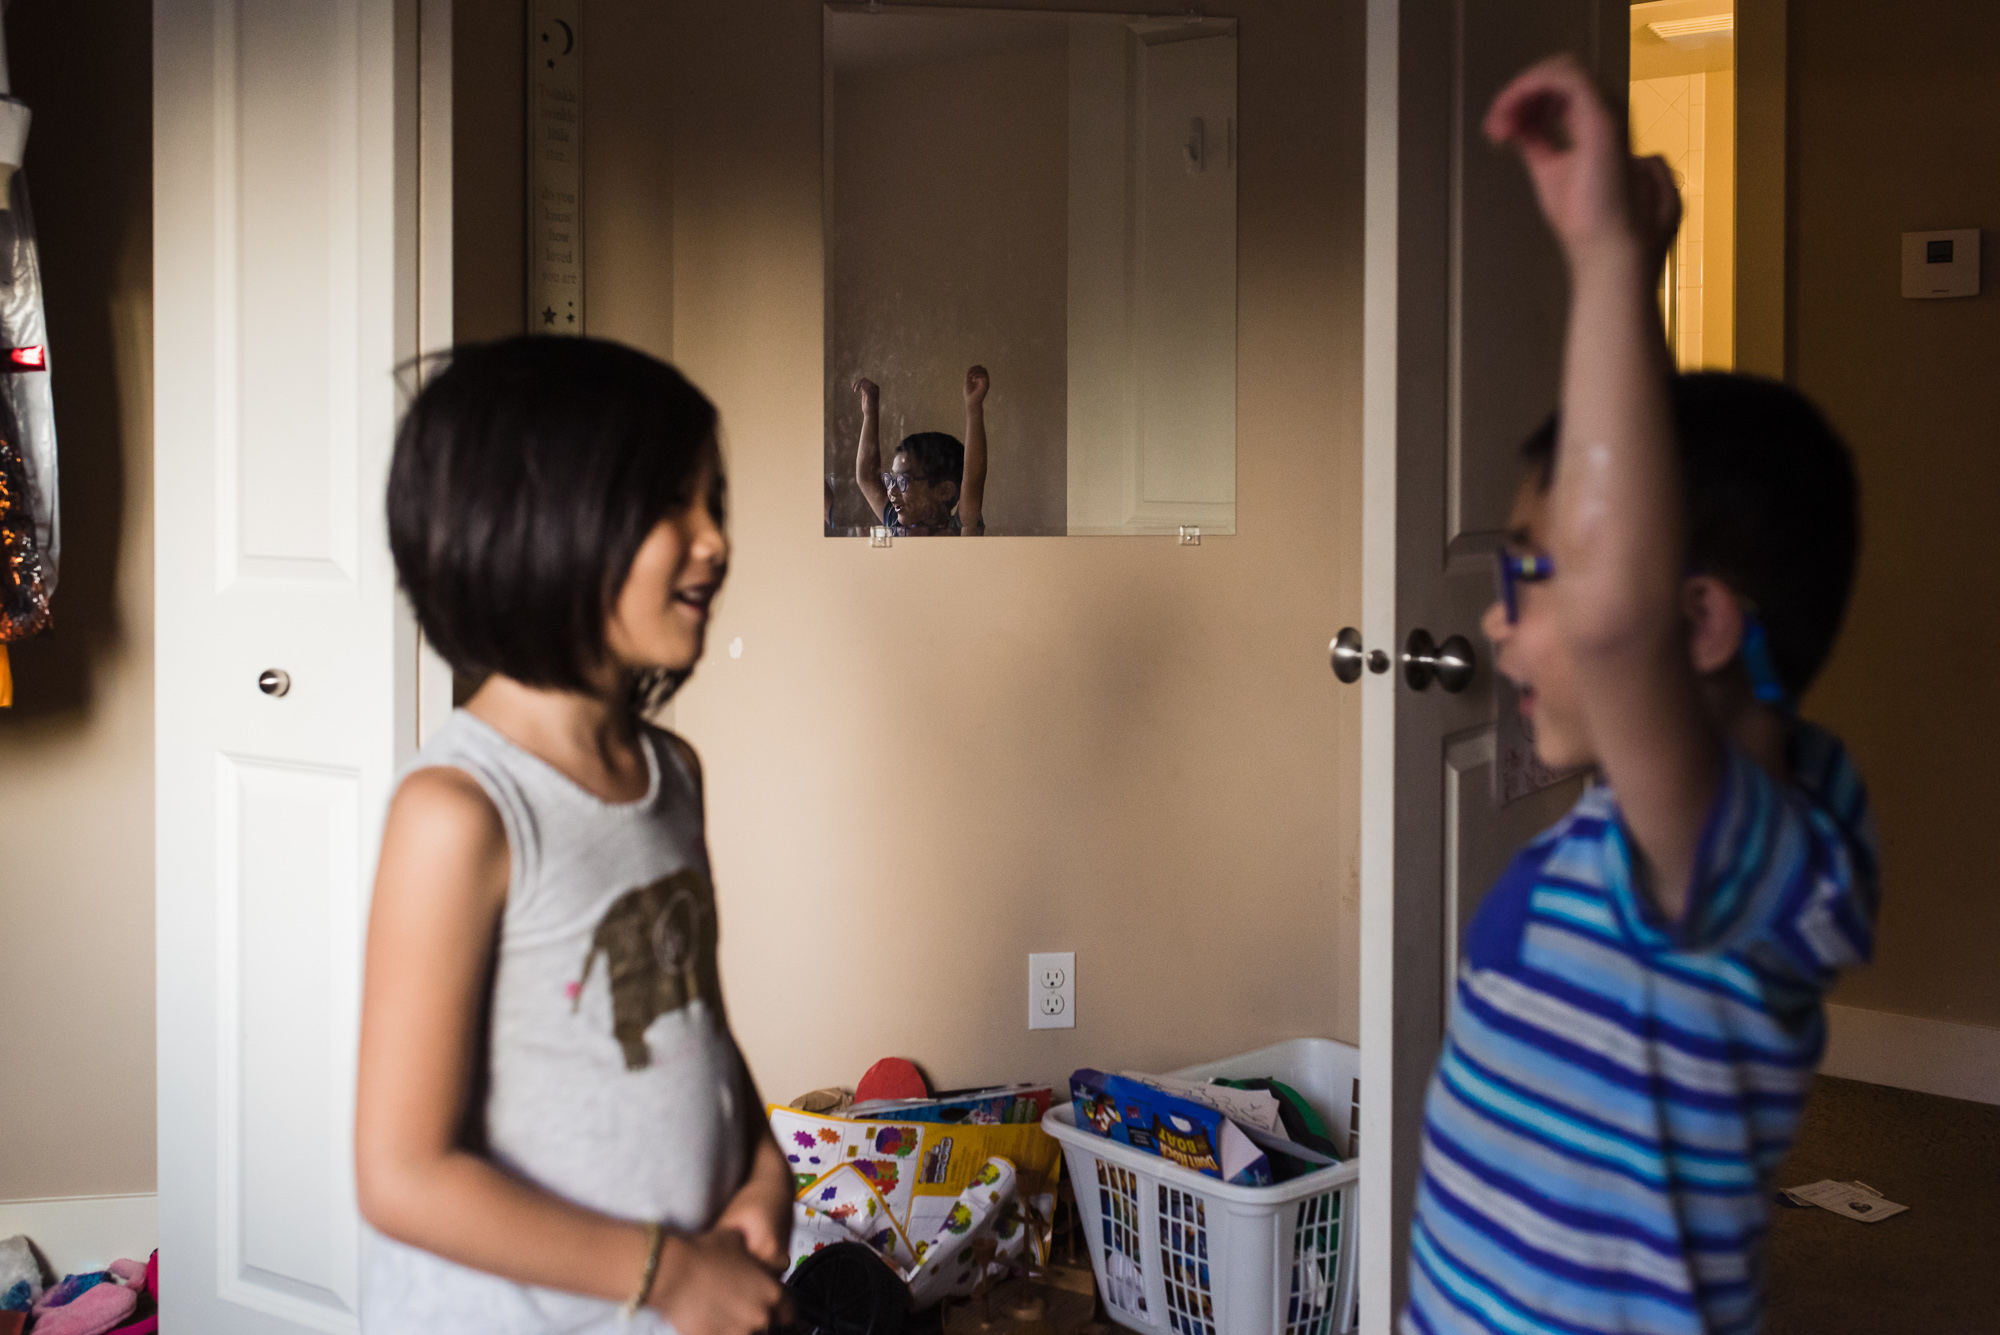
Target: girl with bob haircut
554,1128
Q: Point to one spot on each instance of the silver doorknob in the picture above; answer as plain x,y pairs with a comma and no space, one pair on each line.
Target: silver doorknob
1449,664
1348,656
274,681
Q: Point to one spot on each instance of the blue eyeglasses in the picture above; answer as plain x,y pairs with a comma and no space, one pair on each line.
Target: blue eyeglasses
1513,570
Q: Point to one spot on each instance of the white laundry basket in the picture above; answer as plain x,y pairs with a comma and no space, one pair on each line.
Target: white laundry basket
1177,1251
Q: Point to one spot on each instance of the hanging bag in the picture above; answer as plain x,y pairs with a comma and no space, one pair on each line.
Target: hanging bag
30,525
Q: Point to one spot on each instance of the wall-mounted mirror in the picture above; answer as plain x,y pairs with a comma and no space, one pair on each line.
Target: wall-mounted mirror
1030,272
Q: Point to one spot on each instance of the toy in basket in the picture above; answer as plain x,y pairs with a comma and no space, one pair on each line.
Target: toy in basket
1178,1249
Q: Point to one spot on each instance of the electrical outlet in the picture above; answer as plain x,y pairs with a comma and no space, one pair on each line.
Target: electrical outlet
1052,990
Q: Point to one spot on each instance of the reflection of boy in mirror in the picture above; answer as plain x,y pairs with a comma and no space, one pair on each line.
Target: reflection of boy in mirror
935,484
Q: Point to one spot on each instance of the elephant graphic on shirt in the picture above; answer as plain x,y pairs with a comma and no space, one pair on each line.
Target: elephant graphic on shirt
658,944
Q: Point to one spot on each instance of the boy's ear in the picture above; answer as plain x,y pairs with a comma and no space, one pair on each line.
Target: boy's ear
949,490
1715,623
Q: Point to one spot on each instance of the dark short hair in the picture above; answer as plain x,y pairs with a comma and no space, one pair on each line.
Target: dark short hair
526,475
1773,508
942,457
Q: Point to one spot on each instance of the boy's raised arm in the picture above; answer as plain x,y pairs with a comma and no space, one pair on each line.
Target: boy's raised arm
868,453
972,491
1616,526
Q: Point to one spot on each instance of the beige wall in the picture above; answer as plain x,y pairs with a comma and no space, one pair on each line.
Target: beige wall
628,159
1718,237
1761,187
1895,126
949,237
1683,107
930,760
1688,120
489,164
76,752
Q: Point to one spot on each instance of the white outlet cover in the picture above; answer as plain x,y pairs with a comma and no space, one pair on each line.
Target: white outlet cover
1052,1007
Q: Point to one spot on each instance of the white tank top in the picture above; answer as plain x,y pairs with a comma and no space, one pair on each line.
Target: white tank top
612,1080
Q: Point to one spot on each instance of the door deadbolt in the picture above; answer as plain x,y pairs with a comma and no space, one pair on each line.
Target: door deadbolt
1348,656
274,681
1449,664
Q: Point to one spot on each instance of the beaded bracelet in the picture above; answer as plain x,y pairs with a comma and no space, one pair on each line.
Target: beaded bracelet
656,1238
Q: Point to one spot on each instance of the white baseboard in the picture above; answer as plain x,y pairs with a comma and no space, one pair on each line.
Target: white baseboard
83,1233
1960,1061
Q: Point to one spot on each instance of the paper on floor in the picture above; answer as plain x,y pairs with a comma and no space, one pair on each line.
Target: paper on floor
1854,1200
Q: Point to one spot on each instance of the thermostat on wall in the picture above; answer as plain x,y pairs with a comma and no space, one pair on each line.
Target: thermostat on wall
1941,264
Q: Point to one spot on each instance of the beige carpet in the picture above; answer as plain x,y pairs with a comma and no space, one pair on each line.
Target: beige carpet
1935,1269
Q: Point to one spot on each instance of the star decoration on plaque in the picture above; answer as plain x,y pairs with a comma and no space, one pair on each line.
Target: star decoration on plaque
548,315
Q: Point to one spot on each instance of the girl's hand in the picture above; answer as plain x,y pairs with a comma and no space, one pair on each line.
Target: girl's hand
766,1231
870,392
977,382
709,1284
761,1209
1591,189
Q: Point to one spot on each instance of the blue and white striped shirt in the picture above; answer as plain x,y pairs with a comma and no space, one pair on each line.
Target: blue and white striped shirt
1616,1090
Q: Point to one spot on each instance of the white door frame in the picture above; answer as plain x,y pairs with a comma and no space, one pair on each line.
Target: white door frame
1384,1212
1430,324
436,256
1396,1007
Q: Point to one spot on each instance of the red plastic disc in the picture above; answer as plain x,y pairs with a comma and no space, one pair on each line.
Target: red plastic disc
891,1078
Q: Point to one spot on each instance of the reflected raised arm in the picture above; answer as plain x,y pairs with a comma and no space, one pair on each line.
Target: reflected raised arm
868,453
972,491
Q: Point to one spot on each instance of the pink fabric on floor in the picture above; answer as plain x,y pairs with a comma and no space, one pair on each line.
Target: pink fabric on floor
148,1325
93,1313
132,1274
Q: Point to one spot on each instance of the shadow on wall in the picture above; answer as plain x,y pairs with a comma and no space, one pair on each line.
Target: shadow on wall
90,178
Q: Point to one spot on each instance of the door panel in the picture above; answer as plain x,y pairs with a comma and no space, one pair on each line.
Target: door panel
289,186
1464,304
284,248
290,841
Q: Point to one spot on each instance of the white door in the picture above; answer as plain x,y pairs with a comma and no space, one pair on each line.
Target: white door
1152,280
285,289
1184,285
1464,306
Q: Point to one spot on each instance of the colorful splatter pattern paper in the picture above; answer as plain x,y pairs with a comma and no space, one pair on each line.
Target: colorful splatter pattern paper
982,1234
958,1198
983,1231
883,1153
847,1198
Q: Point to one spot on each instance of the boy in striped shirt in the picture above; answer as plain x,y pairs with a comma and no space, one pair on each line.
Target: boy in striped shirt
1637,1017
